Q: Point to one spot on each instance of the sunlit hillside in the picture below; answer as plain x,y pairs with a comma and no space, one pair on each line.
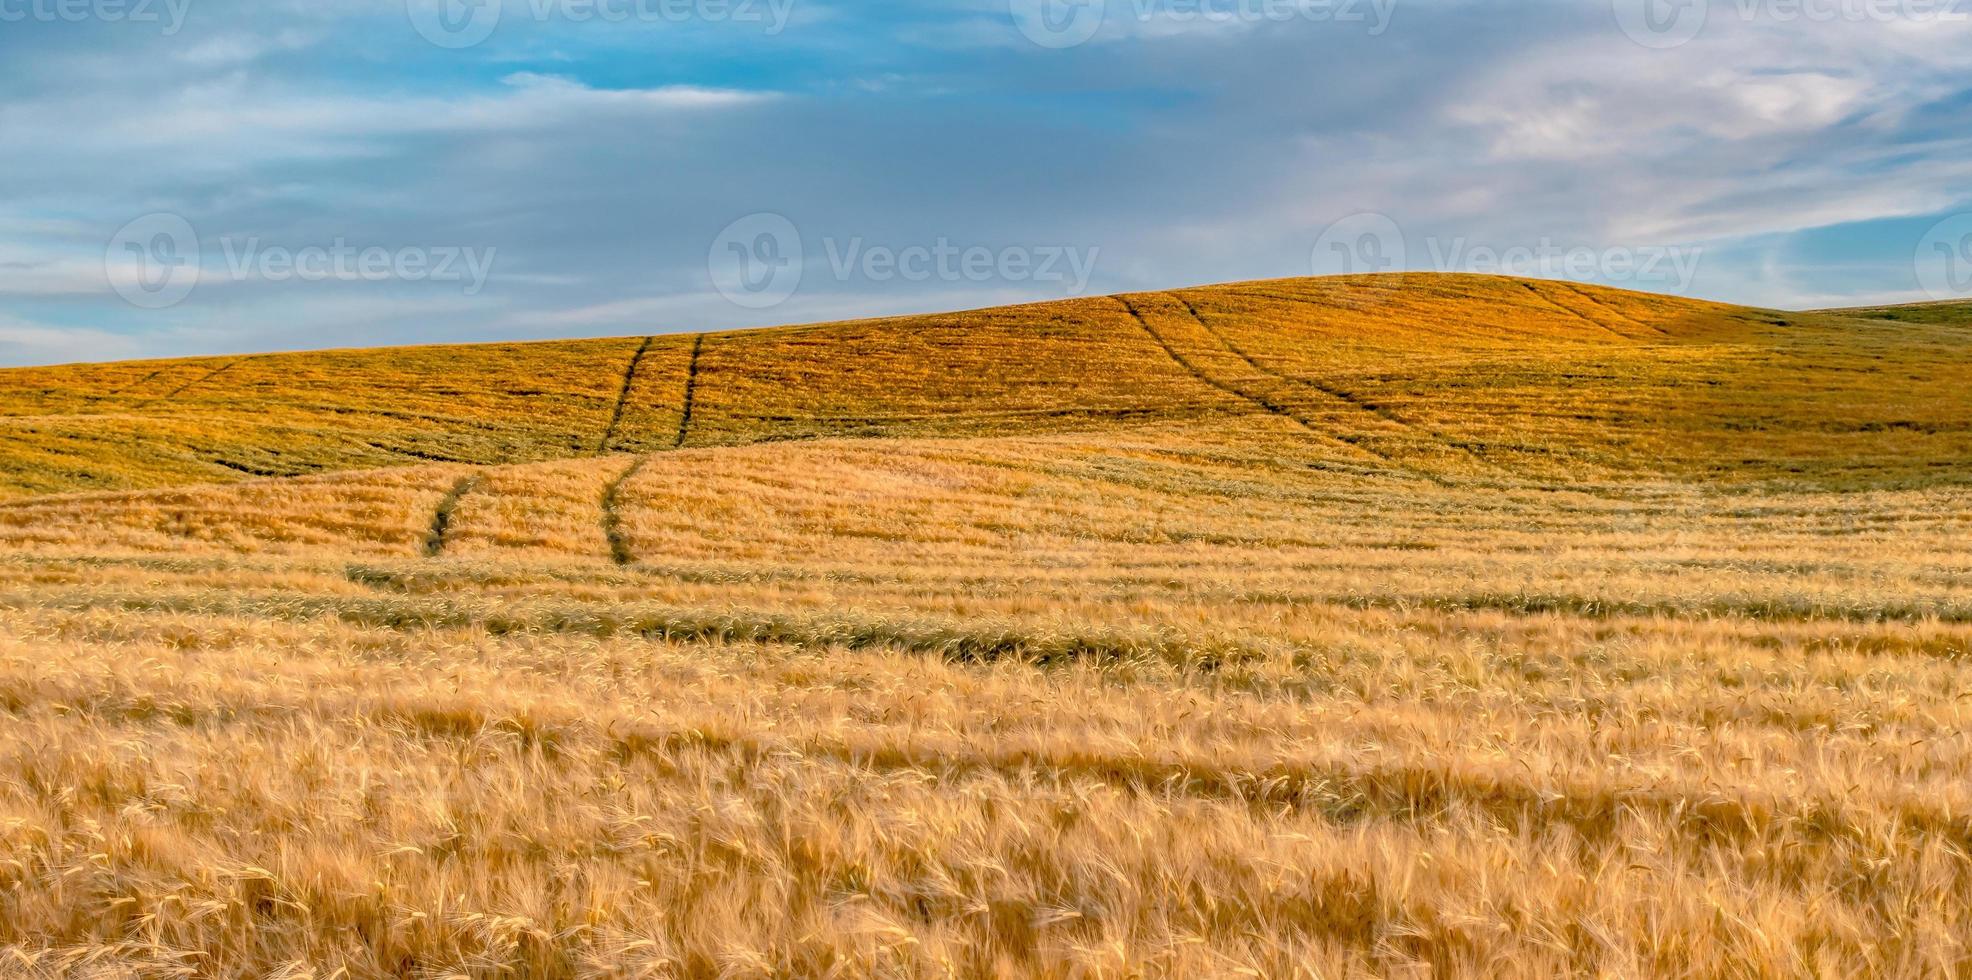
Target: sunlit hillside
1358,627
1457,375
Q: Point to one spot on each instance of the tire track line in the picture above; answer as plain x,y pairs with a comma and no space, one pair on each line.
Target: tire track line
189,385
1346,397
1262,401
1585,294
623,397
1436,436
1577,314
1336,393
448,507
619,543
691,393
139,383
612,500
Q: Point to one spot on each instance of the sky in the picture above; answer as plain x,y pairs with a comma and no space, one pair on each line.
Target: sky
183,177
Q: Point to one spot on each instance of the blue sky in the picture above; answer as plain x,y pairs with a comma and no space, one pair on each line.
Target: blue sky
602,167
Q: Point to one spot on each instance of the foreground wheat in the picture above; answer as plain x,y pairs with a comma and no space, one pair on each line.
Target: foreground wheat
1165,702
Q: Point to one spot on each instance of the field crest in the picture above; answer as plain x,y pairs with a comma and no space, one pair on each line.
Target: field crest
1450,375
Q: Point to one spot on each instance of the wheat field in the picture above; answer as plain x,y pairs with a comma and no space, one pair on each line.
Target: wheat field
1375,626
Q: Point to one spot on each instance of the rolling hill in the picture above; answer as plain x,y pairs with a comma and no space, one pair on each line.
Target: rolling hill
1549,381
1366,626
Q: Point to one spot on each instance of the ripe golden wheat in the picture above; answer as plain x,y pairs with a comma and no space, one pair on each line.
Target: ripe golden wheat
1363,627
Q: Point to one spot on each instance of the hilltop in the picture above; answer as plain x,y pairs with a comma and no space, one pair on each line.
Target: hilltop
1456,375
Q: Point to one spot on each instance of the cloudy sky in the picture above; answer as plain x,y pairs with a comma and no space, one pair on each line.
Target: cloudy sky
212,176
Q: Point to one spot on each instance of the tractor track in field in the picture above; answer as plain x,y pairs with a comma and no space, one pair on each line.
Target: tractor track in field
623,397
612,499
248,469
442,519
420,454
1346,397
619,544
139,383
1267,404
189,385
1585,294
1577,314
691,393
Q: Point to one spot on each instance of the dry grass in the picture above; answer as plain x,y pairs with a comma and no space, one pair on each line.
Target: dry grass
1293,666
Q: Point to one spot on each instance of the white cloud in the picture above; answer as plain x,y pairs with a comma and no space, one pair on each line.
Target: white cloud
23,342
544,96
226,50
235,120
67,276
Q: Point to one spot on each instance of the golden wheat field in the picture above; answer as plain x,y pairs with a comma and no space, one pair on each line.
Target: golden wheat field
1368,626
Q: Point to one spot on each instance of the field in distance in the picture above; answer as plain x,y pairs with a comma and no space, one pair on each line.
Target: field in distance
1401,625
1540,380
